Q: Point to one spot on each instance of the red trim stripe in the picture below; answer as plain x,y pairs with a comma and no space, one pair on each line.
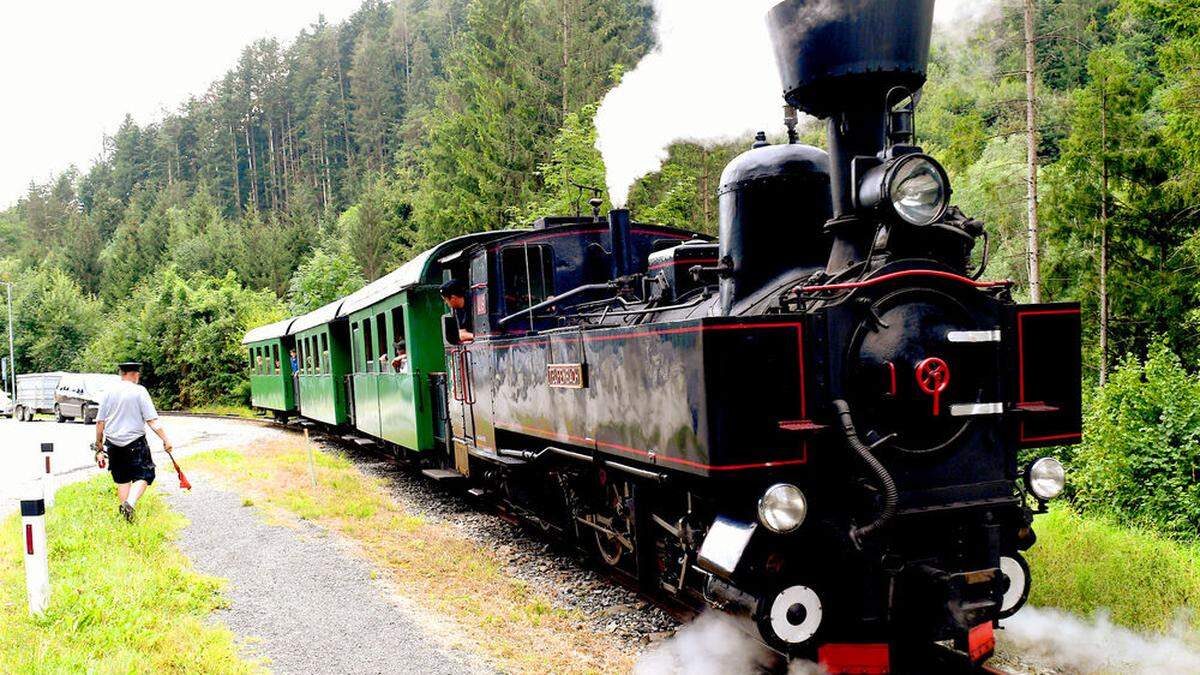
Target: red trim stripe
937,274
674,263
29,539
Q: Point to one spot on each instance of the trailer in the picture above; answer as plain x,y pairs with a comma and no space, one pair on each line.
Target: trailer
35,395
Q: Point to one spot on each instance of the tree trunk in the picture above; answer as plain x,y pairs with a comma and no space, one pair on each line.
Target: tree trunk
345,119
1031,141
271,165
253,168
237,181
566,60
1104,234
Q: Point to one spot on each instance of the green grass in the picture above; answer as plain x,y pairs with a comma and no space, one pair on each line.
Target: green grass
227,410
1085,563
123,600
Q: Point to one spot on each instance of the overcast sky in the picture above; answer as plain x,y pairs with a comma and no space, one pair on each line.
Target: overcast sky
69,71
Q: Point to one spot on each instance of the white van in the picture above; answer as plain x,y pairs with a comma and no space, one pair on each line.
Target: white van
78,396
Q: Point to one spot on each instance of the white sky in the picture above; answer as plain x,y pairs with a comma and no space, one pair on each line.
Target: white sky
70,70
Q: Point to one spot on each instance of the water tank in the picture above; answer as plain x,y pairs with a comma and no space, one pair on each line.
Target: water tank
774,204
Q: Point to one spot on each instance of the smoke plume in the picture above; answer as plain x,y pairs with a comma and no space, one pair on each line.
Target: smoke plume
713,644
712,78
1095,646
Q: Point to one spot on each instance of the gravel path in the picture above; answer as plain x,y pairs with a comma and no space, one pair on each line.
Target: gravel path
298,597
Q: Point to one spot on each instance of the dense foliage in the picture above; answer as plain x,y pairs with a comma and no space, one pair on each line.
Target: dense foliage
312,168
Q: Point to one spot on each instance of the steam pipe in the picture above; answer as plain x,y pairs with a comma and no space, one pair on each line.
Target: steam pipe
891,497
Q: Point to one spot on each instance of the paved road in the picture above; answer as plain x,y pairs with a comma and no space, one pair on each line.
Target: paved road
21,458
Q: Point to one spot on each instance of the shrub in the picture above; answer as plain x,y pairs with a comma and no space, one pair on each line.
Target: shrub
1141,449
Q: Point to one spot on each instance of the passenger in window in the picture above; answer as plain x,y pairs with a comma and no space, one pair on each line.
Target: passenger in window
295,361
454,293
400,362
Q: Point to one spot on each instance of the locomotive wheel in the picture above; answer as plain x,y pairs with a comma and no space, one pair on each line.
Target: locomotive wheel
1016,573
613,547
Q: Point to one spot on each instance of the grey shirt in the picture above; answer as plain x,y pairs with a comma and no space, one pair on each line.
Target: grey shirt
125,410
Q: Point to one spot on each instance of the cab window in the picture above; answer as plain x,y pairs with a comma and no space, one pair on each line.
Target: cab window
528,276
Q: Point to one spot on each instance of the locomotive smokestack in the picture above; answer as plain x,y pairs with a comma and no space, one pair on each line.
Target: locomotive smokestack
619,228
838,60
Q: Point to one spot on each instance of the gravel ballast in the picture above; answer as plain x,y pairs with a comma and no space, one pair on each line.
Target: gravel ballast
300,599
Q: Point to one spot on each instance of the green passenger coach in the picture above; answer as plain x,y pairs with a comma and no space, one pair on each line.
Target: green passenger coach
397,352
323,350
272,386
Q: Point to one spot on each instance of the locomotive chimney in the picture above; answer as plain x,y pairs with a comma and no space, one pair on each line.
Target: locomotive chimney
838,60
619,228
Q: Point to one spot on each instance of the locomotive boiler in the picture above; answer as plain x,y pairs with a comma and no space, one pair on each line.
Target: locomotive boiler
813,421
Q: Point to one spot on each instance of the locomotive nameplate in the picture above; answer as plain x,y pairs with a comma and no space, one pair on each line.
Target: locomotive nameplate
566,375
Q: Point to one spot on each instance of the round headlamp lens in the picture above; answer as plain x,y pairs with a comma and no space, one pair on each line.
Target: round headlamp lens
1047,478
782,508
918,190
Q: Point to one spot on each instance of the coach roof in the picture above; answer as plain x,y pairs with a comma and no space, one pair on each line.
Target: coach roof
269,332
423,269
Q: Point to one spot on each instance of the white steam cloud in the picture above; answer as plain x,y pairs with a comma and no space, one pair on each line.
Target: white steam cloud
1096,646
715,644
712,78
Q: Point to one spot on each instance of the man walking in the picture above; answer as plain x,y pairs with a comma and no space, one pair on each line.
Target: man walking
121,437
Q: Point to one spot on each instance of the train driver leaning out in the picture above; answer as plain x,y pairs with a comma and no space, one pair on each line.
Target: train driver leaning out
454,292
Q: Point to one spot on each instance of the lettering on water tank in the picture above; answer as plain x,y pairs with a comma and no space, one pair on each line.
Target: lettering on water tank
566,375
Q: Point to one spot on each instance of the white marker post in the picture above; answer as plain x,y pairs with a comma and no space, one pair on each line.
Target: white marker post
312,466
49,485
37,570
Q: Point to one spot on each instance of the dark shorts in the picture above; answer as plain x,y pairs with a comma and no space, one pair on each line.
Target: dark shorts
130,463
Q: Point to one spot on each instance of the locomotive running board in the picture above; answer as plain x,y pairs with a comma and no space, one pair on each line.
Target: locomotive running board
442,475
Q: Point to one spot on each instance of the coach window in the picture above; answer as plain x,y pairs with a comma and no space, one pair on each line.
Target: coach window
368,348
399,343
316,344
325,354
275,370
381,341
528,276
308,355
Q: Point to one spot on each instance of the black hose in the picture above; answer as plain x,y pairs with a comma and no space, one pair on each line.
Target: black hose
891,497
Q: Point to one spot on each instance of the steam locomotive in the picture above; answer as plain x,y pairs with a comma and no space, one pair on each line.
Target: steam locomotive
813,421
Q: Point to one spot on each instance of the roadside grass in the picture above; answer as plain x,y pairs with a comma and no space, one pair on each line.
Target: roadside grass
458,582
227,410
1086,564
123,598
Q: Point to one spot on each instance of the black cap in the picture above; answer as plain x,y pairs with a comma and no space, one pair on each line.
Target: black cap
129,367
453,287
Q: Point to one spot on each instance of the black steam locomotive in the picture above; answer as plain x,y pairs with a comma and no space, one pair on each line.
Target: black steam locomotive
814,421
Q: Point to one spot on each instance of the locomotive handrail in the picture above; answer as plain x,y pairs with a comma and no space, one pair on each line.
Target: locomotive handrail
558,299
904,273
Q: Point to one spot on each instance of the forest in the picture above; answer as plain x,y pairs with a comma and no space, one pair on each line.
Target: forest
314,166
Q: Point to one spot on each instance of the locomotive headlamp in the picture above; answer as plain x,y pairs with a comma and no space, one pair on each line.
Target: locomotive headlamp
919,189
915,187
782,508
1046,478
